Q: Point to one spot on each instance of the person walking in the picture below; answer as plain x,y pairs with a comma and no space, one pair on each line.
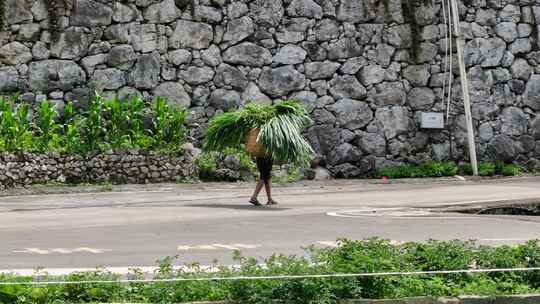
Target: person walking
264,165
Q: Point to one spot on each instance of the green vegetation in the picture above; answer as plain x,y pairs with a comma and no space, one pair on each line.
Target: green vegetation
105,125
280,128
370,256
440,169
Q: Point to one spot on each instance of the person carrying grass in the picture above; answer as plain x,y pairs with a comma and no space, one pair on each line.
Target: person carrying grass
268,133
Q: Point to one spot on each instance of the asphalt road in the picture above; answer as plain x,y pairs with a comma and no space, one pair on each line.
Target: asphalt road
134,226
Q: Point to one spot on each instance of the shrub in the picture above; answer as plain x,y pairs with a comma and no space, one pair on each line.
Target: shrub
511,170
428,169
486,169
367,256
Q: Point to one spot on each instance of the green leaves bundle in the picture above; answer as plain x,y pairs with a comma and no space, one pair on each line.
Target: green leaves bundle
280,128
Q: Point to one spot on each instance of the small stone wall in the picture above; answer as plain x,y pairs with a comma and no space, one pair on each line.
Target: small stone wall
362,68
115,167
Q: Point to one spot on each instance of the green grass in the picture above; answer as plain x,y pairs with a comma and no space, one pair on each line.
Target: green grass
441,169
369,256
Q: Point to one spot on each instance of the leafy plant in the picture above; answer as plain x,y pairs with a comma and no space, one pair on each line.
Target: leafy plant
486,169
511,170
15,127
169,130
48,137
280,130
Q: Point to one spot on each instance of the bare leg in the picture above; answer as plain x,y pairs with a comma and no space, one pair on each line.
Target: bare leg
268,187
258,189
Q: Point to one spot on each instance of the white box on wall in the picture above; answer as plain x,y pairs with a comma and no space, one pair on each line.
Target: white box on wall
432,120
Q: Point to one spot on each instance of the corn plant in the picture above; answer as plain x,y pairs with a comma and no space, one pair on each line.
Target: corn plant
168,125
47,128
94,125
15,127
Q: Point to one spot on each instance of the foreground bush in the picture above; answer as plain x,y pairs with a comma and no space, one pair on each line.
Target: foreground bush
106,124
351,257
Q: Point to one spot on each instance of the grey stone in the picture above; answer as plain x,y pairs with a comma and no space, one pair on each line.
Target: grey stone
239,29
320,87
49,75
315,51
346,171
254,94
421,98
510,13
9,79
486,17
290,37
39,10
122,57
353,65
208,14
426,53
40,51
354,11
320,70
211,56
247,53
307,98
267,13
195,75
344,153
372,143
18,11
281,81
322,116
521,69
532,93
174,93
162,12
194,35
390,94
15,53
347,86
326,29
520,46
227,75
417,75
225,100
352,114
524,30
514,121
123,13
90,14
344,48
179,57
501,147
507,31
485,132
29,32
89,63
145,38
372,74
72,44
484,52
236,10
290,54
535,128
305,8
398,36
384,54
108,79
145,74
394,121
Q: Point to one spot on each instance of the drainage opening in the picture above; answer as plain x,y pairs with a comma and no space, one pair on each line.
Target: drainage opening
520,209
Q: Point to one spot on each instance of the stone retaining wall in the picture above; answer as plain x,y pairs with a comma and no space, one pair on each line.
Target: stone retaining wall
362,71
115,167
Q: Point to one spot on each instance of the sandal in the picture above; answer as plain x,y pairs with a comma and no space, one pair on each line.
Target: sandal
255,202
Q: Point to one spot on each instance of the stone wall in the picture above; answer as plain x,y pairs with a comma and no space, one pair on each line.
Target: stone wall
115,167
363,72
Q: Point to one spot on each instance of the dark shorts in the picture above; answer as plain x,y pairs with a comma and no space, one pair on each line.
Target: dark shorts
265,168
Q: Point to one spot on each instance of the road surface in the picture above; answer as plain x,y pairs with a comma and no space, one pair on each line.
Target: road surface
134,226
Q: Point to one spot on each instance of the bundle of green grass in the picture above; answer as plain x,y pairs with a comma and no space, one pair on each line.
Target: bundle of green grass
279,129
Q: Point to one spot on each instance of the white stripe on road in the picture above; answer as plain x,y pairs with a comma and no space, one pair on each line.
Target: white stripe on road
61,250
217,247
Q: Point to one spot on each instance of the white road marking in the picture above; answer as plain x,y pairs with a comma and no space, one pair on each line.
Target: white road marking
329,243
61,250
216,247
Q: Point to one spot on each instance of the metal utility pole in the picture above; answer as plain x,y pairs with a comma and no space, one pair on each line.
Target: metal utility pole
464,86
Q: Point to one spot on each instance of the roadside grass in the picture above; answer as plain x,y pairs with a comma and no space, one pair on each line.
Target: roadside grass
448,168
368,256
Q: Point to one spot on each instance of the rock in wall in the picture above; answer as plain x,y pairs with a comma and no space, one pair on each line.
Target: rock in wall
363,71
